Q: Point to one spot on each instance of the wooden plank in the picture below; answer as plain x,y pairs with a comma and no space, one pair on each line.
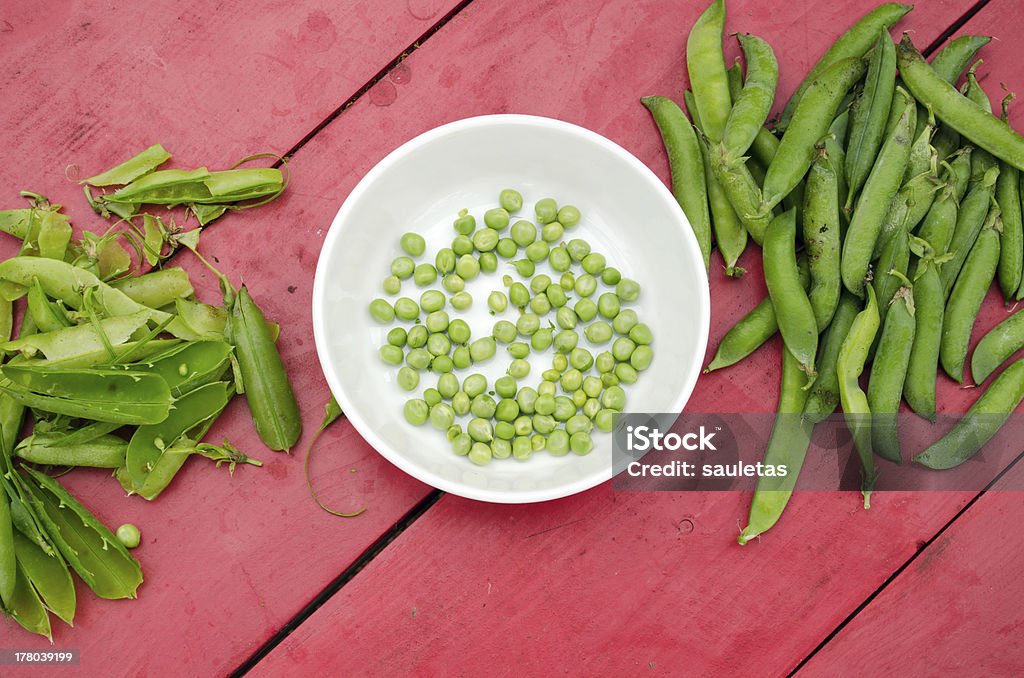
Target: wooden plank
958,608
227,560
605,582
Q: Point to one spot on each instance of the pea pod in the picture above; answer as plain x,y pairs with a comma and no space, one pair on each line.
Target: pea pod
908,208
834,147
854,43
135,350
267,389
895,257
751,108
48,316
8,564
787,446
888,373
54,235
1011,240
173,458
163,187
792,307
879,190
978,208
70,341
107,451
856,411
706,65
821,237
49,576
730,235
939,224
922,154
823,397
868,115
89,547
982,421
965,300
131,169
1001,342
27,609
763,148
952,59
156,289
981,160
813,116
929,307
982,128
188,366
741,189
686,166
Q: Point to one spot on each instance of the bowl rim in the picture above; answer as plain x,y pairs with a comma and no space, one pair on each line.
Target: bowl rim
332,240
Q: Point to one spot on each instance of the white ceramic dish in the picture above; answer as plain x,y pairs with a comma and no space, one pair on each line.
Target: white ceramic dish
628,215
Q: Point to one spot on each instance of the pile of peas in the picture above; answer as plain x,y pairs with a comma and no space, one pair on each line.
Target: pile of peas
580,391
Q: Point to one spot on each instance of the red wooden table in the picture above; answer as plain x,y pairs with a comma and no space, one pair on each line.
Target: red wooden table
245,573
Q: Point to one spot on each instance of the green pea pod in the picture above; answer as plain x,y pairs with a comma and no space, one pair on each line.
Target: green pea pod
823,397
821,237
880,188
706,66
135,350
96,394
1011,239
47,315
267,389
686,166
27,609
976,209
88,546
131,169
186,367
813,116
17,222
982,421
966,117
946,141
908,208
741,189
952,59
854,43
939,224
787,446
49,576
751,108
107,451
869,112
923,157
965,300
207,213
156,289
171,461
981,160
8,565
241,184
857,412
888,373
792,307
746,336
895,257
72,341
54,235
163,187
730,235
961,169
1001,342
6,319
836,151
929,308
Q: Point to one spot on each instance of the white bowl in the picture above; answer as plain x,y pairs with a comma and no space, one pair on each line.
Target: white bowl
628,215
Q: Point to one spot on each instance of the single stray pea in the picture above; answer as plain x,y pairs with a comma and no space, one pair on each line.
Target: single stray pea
129,536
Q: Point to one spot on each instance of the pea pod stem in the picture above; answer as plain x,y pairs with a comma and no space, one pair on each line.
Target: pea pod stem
332,412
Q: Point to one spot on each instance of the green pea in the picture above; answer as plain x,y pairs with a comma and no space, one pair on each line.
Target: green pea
540,283
556,296
520,349
614,398
408,378
460,403
558,443
453,283
579,398
558,257
578,249
546,210
522,450
528,324
545,404
461,359
581,359
407,309
611,276
482,349
465,224
479,429
382,311
586,310
605,362
447,385
624,321
462,245
609,380
436,322
483,406
484,240
599,332
571,380
592,406
417,336
458,331
442,416
551,375
544,423
593,263
519,369
416,411
397,337
439,344
623,348
586,285
537,442
552,232
628,290
524,267
402,267
626,373
608,305
474,385
496,218
488,262
505,386
541,339
560,362
506,248
497,301
567,281
578,423
413,244
527,398
432,300
604,420
392,355
503,431
545,388
566,341
523,233
592,386
507,410
510,200
392,285
467,267
537,251
462,444
480,454
504,332
565,318
442,364
523,425
540,305
518,295
641,334
581,443
445,260
462,300
568,215
641,358
506,280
